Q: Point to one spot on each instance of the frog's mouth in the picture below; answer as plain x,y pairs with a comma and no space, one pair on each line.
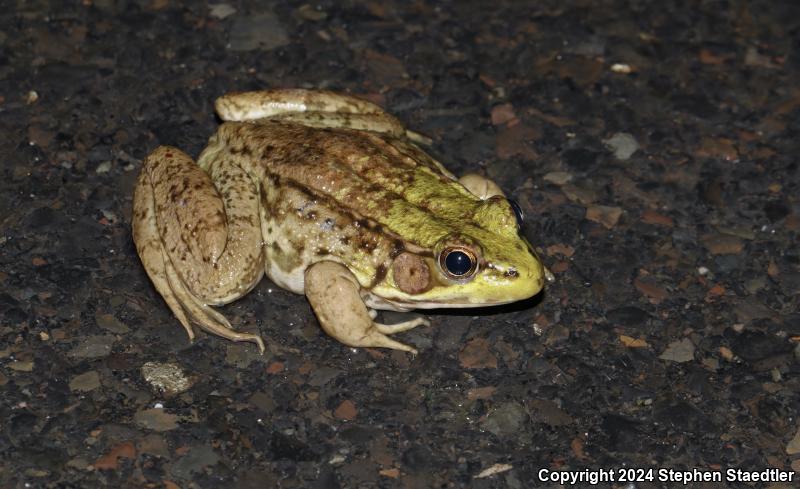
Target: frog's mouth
459,305
400,305
459,297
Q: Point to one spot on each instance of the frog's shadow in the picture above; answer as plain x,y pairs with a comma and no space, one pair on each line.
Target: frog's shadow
513,307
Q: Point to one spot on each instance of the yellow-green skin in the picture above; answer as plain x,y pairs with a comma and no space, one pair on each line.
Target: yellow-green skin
315,189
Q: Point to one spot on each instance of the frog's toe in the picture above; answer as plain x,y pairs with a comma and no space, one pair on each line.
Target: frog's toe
399,327
376,339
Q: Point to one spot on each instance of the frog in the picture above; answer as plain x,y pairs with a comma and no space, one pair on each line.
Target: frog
330,197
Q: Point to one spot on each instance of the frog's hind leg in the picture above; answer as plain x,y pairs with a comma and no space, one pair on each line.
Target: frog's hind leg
334,295
172,226
314,108
150,249
248,106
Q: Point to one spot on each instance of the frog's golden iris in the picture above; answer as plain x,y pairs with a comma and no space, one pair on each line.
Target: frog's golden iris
328,195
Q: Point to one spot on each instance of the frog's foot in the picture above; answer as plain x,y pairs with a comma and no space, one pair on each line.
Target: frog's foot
202,314
480,186
333,292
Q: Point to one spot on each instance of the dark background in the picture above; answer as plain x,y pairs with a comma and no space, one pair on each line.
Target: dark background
652,145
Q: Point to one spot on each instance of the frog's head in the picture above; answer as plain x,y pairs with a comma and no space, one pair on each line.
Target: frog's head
480,261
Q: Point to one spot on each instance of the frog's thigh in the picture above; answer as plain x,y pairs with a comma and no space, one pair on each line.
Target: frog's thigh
480,186
333,292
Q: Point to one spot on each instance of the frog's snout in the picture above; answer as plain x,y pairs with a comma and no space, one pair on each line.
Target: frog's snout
531,280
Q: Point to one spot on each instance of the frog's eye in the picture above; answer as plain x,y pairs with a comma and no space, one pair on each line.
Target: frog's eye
517,212
458,262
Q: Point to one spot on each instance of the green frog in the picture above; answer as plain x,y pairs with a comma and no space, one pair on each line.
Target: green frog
332,198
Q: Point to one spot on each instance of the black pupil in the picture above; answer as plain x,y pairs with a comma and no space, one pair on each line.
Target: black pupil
458,263
517,211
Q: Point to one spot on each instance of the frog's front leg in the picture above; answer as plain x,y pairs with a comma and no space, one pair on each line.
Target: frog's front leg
334,295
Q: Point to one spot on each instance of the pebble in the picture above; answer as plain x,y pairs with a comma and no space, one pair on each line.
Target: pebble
608,216
557,177
221,10
652,217
308,12
476,354
103,167
168,378
243,354
502,113
346,411
754,346
110,323
21,366
493,470
156,419
549,413
679,351
649,287
481,392
85,382
198,458
557,334
622,68
793,448
723,244
93,347
260,31
579,193
727,354
622,144
506,420
31,97
154,444
631,342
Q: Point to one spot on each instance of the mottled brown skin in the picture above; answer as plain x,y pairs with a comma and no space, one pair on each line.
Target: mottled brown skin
326,194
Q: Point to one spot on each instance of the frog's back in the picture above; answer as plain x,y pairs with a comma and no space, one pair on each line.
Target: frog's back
370,177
